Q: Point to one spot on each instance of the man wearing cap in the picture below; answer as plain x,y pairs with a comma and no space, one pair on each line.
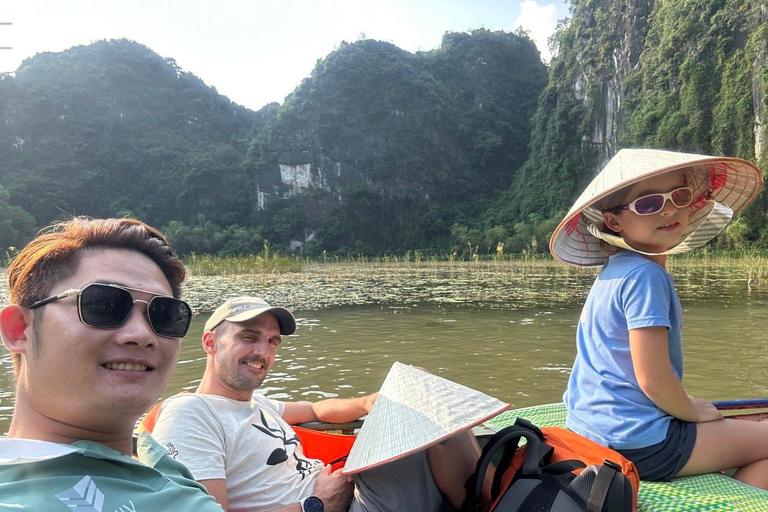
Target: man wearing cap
241,447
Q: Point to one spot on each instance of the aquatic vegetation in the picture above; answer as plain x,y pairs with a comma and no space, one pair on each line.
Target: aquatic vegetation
493,284
383,278
504,282
747,265
209,265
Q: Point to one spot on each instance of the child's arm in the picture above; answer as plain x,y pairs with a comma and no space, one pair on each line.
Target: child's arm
650,358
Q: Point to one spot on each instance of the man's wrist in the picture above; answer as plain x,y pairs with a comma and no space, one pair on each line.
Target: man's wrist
312,504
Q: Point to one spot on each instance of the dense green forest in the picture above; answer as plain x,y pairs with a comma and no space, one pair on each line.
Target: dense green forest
475,147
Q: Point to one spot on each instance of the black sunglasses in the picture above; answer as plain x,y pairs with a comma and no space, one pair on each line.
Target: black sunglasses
108,306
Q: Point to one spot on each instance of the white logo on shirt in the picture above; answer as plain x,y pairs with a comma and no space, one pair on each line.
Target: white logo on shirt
84,496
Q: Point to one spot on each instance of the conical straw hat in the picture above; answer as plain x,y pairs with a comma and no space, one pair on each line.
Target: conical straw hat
722,187
413,411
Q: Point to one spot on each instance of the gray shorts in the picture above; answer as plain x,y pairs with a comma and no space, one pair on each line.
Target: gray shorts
664,460
405,485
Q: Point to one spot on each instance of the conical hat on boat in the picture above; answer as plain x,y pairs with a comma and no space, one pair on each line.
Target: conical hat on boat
413,411
722,187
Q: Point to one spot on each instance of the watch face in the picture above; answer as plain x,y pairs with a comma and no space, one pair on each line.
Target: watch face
313,504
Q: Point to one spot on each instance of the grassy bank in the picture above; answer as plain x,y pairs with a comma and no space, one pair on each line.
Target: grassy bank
749,263
208,265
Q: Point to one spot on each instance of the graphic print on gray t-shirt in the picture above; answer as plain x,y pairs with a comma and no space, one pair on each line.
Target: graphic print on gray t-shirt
280,455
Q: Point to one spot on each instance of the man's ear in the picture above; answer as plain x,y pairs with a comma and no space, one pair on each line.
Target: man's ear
209,342
612,221
15,327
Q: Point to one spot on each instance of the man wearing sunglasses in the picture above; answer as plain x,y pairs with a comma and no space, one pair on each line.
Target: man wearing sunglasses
242,448
94,330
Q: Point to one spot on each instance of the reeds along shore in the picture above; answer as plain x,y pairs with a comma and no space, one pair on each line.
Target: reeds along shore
209,265
752,265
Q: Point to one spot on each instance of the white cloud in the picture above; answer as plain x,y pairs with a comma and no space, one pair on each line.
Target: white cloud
540,22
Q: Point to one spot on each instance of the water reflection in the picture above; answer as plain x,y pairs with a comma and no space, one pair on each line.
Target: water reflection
521,356
505,329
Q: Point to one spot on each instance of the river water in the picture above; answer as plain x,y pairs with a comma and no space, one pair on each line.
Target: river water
506,328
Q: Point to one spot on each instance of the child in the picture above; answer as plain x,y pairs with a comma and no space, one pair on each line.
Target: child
625,390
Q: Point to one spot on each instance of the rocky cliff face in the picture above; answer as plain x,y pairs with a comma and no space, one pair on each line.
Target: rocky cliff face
578,121
386,138
760,80
642,73
610,64
600,82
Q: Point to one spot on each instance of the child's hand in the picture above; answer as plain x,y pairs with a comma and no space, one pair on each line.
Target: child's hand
706,409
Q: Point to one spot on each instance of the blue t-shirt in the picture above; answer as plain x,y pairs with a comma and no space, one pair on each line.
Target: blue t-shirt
603,399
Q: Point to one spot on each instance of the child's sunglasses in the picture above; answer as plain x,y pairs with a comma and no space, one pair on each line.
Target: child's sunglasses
654,203
108,306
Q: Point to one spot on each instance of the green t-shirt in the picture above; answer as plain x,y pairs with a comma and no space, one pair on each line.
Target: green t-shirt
89,477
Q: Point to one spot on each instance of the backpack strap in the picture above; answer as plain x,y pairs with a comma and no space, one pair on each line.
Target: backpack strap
565,466
522,422
506,439
537,453
602,484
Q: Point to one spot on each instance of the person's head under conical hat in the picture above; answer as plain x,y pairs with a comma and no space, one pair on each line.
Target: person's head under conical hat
650,216
655,203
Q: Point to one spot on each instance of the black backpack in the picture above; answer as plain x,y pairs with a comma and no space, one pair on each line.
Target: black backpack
539,485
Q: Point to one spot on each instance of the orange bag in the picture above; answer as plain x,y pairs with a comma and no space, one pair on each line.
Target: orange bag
570,445
556,467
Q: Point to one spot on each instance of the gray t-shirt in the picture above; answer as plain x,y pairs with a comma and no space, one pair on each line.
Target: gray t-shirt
247,443
259,455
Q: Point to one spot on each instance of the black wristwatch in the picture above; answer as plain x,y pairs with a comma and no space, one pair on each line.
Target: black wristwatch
312,504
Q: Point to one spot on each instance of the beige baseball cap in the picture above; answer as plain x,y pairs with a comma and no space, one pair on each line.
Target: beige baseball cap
242,309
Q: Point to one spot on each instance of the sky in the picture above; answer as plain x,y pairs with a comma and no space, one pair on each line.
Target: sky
257,51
